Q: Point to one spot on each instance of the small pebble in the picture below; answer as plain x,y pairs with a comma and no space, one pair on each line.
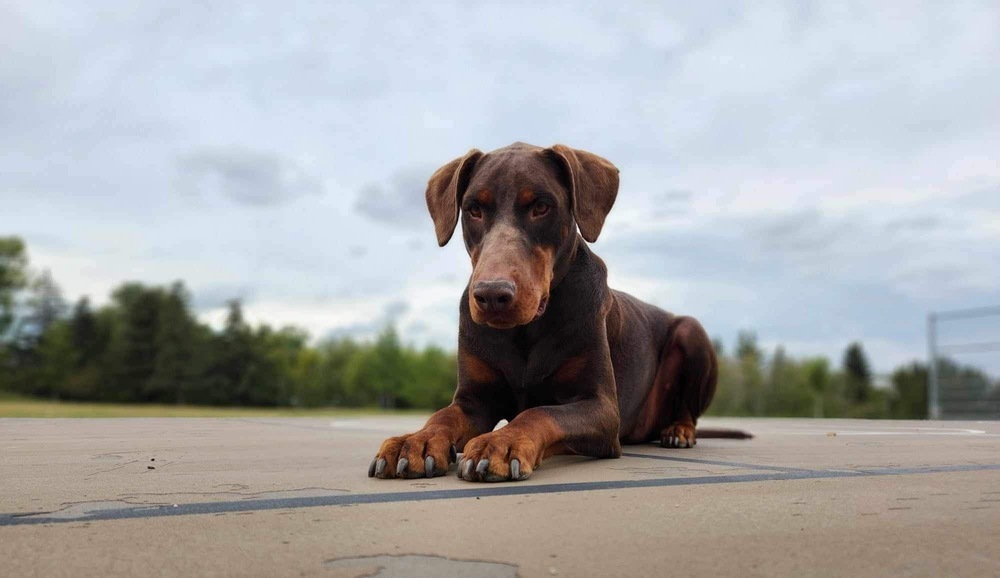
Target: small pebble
831,434
150,467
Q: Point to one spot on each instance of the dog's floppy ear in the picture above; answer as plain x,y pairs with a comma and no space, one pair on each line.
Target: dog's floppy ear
593,184
444,190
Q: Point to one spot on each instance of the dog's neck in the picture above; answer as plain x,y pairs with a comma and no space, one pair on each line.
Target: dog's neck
564,262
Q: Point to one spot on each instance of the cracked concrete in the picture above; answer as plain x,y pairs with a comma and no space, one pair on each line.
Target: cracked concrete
422,566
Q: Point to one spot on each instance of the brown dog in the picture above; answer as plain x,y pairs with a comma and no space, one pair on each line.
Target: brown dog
576,367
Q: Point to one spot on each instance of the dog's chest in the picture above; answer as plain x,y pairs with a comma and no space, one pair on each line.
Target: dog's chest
529,375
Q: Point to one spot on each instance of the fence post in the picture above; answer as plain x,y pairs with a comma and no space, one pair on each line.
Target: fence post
933,392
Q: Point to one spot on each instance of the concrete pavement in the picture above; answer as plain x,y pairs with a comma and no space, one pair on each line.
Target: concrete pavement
275,497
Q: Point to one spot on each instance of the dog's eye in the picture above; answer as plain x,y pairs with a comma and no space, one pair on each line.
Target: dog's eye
539,209
475,211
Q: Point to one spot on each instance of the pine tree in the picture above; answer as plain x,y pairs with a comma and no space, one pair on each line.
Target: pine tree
857,373
136,339
750,358
87,343
233,365
174,366
84,333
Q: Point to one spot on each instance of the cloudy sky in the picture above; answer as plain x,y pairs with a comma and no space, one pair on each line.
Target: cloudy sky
819,173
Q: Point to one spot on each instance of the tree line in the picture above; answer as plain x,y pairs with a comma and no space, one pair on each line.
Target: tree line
147,345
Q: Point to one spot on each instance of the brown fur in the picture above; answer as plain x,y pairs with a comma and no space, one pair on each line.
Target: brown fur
536,435
476,369
530,269
485,197
571,369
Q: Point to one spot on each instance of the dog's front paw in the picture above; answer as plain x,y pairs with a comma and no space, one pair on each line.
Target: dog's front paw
426,453
499,456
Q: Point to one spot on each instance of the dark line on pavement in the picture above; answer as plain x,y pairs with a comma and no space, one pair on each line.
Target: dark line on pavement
513,489
719,463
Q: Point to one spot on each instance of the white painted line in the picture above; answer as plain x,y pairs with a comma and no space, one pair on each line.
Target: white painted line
968,433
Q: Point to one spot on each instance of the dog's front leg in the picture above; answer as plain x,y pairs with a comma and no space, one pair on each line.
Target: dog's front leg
587,427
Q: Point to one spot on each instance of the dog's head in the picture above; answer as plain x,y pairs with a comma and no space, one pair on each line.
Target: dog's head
520,208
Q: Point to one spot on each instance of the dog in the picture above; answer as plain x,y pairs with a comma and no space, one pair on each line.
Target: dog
543,342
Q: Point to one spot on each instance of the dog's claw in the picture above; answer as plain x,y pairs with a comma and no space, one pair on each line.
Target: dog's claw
380,467
482,465
453,456
515,469
401,466
429,467
371,469
467,470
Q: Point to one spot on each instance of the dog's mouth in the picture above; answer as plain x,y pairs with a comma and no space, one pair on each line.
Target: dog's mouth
504,322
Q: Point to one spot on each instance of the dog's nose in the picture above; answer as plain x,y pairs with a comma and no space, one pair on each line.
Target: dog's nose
494,296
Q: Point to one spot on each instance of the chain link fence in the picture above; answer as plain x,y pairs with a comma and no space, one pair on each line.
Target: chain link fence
963,350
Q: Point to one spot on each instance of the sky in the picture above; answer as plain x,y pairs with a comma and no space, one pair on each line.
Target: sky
818,173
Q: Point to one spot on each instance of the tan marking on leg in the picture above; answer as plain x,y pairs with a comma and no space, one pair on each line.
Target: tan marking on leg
475,369
570,369
532,436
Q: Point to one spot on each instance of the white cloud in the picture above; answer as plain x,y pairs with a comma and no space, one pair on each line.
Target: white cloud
819,173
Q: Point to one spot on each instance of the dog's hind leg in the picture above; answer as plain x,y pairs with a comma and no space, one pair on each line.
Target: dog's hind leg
686,377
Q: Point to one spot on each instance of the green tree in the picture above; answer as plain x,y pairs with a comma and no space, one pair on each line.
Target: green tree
54,370
909,384
788,391
378,373
135,340
45,304
281,351
336,357
174,366
433,374
233,358
13,277
391,371
818,380
84,333
88,342
746,345
242,372
858,374
751,372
